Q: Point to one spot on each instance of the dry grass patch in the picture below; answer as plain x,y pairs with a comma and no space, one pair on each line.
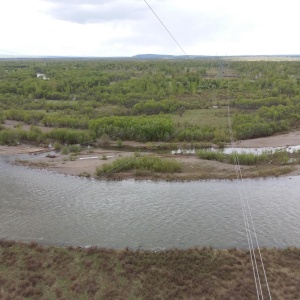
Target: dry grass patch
37,272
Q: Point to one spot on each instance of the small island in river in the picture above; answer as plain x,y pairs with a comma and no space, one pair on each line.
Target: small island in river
88,160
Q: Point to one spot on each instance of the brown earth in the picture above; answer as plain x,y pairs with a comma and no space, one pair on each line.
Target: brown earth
192,168
13,124
281,140
31,271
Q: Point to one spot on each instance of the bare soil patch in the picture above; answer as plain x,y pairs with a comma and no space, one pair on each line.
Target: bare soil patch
281,140
21,149
12,124
85,163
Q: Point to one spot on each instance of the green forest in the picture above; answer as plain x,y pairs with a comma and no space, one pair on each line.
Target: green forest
81,100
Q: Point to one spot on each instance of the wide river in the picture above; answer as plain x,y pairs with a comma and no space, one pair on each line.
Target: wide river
49,208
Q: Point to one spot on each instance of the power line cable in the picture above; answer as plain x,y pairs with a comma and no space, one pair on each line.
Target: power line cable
110,172
239,177
167,29
247,214
246,220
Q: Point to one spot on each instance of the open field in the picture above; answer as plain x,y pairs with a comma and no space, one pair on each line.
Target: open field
264,58
216,117
31,271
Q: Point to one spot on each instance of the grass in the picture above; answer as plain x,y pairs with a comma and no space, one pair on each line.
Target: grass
31,271
141,163
279,157
214,117
85,174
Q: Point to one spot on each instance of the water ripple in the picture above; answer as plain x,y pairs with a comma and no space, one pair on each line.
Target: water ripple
51,208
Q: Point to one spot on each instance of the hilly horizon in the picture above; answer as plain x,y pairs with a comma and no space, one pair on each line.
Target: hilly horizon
138,56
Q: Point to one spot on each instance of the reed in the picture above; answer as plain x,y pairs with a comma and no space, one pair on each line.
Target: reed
279,157
141,163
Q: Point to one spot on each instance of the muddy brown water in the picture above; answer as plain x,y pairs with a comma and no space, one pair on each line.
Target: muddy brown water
55,209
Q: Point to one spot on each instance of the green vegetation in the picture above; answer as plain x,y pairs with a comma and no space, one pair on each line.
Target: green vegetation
35,135
31,271
174,100
141,163
139,128
215,117
279,157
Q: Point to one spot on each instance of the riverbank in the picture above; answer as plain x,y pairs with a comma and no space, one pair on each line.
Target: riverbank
38,272
192,168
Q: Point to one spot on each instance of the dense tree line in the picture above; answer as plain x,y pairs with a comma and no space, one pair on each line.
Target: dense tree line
114,97
142,128
267,121
35,135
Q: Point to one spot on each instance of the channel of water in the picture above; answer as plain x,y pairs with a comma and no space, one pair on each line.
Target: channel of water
50,208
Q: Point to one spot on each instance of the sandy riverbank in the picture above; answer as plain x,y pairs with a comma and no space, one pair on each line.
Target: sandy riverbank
192,168
281,140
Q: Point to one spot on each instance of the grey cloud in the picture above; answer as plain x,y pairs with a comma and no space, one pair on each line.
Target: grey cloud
80,2
93,11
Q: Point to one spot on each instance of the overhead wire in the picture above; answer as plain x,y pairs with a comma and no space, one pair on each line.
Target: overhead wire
244,201
247,214
244,212
247,228
248,219
120,167
166,29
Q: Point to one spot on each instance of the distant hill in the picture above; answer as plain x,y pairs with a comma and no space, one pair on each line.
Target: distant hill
166,56
153,56
286,57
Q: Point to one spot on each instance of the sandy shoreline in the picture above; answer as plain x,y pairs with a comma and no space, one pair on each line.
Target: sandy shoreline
193,168
281,140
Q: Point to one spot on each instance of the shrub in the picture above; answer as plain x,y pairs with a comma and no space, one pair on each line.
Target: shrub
65,150
278,157
75,148
57,146
141,163
119,143
72,157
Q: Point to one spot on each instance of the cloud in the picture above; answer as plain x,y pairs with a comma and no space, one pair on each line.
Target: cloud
128,27
93,11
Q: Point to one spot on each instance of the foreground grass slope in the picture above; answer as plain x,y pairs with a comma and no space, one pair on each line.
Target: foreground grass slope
37,272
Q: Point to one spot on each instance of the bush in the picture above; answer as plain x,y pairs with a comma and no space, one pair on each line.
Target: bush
65,150
72,157
119,143
139,128
75,148
16,136
142,163
57,146
104,140
267,157
70,136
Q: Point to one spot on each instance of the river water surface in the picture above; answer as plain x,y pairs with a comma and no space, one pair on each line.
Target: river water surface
49,208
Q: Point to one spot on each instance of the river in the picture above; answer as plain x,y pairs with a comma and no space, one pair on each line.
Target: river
55,209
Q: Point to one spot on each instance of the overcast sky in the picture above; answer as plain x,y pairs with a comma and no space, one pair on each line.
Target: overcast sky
128,27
